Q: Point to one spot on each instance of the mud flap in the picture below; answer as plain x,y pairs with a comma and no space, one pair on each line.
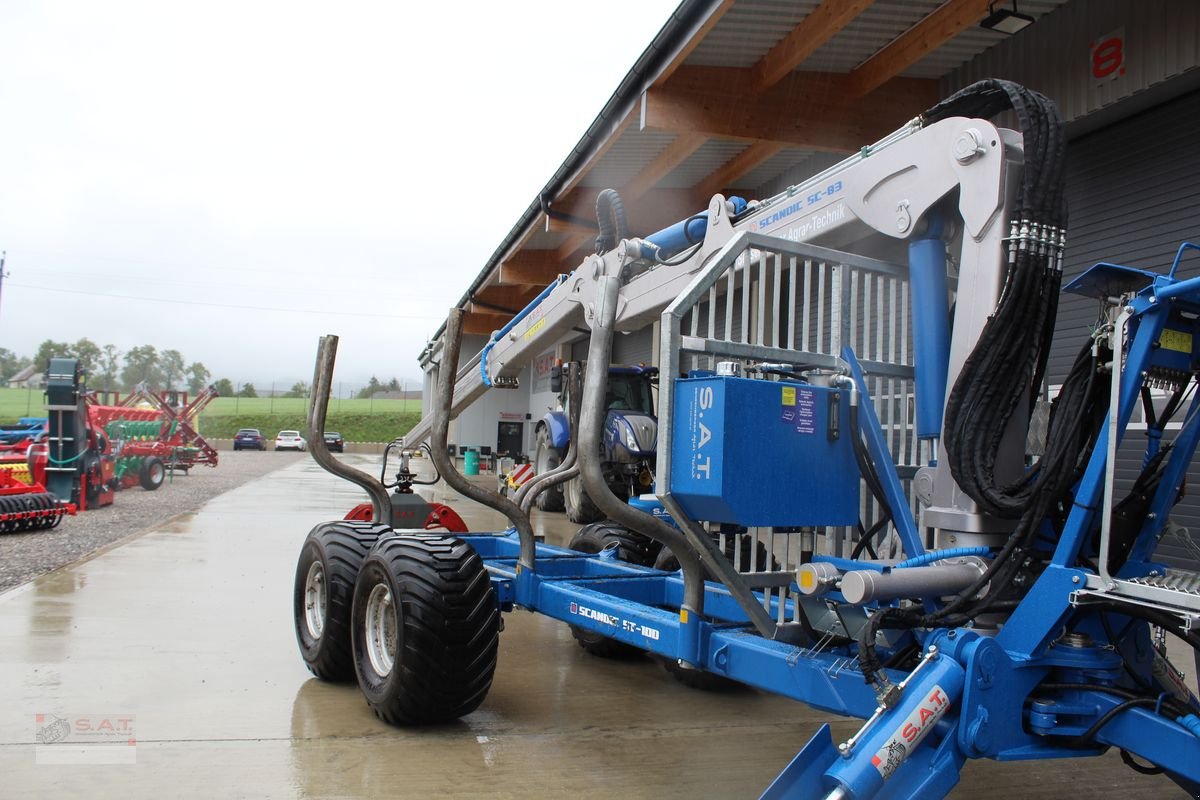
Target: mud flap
801,778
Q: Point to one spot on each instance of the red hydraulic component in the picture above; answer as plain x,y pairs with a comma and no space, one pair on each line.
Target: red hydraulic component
28,507
360,513
444,516
440,516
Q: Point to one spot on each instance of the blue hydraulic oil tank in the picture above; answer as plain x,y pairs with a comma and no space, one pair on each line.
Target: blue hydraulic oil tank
758,453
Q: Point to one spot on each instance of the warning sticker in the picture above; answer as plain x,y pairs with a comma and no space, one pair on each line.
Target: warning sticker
911,732
806,409
789,395
1178,341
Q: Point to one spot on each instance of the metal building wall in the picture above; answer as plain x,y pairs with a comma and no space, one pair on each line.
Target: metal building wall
1134,193
636,347
1132,170
1160,42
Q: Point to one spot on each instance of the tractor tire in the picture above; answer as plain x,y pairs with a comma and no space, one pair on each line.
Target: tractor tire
426,628
632,547
667,561
151,473
545,459
324,590
580,508
700,679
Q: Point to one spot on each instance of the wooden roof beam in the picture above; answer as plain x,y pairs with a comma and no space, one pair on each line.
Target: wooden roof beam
482,323
646,179
529,268
806,109
941,25
822,24
567,226
685,144
504,299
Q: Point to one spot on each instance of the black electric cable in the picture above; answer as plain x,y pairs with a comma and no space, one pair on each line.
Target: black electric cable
1127,757
1115,641
1174,706
866,537
1088,737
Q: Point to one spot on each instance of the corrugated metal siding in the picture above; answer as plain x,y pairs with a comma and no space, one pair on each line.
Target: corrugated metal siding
712,155
785,161
972,41
628,156
1162,40
800,171
748,30
870,31
634,348
1134,193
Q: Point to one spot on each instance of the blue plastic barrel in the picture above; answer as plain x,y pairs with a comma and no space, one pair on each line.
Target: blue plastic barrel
471,462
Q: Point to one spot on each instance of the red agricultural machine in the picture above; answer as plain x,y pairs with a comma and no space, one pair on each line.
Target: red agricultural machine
28,506
92,450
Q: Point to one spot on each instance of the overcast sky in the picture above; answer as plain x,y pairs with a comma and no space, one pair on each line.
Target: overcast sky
206,176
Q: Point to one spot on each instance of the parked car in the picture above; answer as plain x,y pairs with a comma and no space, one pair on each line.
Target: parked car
334,442
249,439
289,440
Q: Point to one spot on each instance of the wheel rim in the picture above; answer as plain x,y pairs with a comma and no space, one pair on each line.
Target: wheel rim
315,600
381,630
157,473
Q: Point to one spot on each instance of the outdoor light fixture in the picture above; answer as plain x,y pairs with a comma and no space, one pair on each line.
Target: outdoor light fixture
1006,21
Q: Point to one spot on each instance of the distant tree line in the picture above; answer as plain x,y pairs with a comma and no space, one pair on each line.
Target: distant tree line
108,368
374,387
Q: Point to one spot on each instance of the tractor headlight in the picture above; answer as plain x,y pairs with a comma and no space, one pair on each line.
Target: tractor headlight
630,440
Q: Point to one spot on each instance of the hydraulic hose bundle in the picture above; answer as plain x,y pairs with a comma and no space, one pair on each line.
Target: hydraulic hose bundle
1009,360
1003,374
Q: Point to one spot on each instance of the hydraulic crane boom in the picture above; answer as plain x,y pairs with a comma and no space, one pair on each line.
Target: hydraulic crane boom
882,191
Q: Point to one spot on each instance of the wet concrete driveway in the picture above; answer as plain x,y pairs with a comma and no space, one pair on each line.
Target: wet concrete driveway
186,634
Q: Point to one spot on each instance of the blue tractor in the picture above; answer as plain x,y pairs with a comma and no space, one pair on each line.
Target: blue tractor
628,445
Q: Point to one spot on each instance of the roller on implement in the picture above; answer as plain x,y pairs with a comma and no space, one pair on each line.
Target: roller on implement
28,506
856,515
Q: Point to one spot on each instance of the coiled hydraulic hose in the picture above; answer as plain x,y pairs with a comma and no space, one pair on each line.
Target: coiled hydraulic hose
610,215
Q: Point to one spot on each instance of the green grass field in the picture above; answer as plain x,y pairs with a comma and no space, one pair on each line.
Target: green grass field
357,420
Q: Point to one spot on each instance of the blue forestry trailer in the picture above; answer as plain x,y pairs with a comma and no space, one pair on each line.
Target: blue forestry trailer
855,360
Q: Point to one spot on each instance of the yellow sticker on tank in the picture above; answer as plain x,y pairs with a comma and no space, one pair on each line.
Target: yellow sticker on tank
683,616
1178,341
789,395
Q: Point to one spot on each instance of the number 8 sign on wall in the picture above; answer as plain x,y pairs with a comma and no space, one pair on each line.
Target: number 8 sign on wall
1107,57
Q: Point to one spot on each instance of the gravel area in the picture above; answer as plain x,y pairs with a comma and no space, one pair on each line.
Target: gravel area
24,556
